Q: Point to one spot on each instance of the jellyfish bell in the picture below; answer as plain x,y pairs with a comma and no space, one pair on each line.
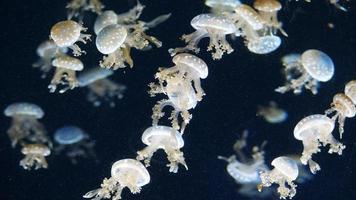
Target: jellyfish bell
34,156
249,17
223,5
108,17
126,168
195,64
318,65
350,90
312,125
90,76
264,44
69,135
24,109
110,38
245,173
286,166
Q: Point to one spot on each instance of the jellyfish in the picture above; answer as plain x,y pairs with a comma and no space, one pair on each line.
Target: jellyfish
100,87
177,83
66,66
304,174
35,156
25,125
128,173
77,7
335,3
220,6
74,142
214,27
313,131
67,33
285,171
108,17
166,138
47,51
342,107
350,90
251,26
272,113
306,70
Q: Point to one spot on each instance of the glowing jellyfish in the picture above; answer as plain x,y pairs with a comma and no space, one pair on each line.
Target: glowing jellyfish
25,125
284,173
177,83
67,33
108,17
220,6
77,7
34,156
74,142
313,131
47,51
214,27
100,87
272,113
166,138
66,67
342,107
128,173
306,70
110,41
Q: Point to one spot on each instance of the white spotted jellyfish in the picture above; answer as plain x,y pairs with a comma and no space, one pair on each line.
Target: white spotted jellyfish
167,139
314,131
65,74
66,33
285,171
35,156
214,27
221,6
177,83
128,173
306,71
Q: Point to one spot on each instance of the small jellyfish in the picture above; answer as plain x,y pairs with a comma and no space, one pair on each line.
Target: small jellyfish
128,173
108,17
350,90
221,6
35,156
306,70
47,51
25,125
77,7
214,27
272,113
75,142
177,83
166,138
67,33
100,87
66,66
284,173
342,107
314,131
110,41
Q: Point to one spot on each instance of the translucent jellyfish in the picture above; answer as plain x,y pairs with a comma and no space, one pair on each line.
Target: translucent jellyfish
304,174
128,173
284,173
47,51
350,90
177,83
66,66
306,70
214,27
67,33
110,41
342,107
220,6
167,139
76,8
100,87
272,113
35,156
108,17
313,131
268,10
25,125
74,142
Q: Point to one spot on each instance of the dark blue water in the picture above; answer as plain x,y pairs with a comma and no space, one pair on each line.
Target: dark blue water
236,85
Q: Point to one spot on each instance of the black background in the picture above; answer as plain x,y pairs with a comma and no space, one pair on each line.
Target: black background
236,85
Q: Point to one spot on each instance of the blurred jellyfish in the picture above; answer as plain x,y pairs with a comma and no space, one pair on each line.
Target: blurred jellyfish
67,33
245,170
350,90
108,17
177,83
76,8
66,66
100,87
342,107
335,3
25,126
314,131
47,51
214,27
128,173
220,6
75,143
284,173
34,156
167,139
306,70
272,113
